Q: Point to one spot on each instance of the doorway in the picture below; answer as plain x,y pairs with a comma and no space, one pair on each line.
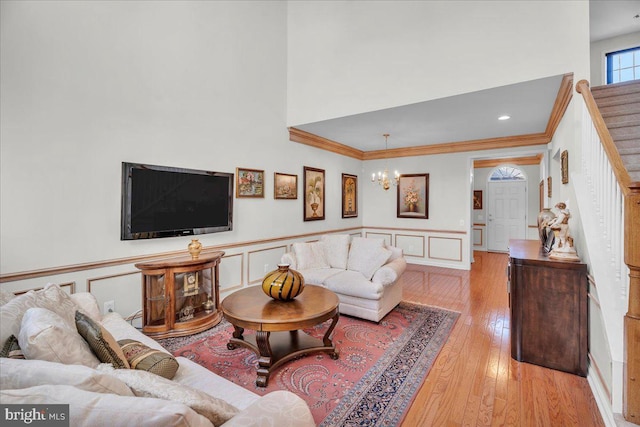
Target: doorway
506,211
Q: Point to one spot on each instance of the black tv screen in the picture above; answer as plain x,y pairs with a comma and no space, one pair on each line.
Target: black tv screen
160,201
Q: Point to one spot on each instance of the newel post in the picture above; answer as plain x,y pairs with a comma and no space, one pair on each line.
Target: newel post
631,403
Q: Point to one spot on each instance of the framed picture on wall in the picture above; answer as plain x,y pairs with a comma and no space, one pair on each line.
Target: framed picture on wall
313,194
413,196
285,186
249,182
477,199
549,189
564,166
349,196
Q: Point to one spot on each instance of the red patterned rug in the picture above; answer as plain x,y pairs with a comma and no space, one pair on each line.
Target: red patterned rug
372,383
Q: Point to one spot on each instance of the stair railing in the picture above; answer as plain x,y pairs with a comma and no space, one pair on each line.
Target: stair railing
616,204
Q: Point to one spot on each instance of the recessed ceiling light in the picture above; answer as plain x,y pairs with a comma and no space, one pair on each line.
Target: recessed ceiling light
505,117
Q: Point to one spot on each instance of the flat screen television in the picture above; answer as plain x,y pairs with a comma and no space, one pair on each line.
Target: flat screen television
161,201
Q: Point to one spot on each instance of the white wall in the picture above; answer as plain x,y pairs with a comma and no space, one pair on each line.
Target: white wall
600,48
88,85
351,57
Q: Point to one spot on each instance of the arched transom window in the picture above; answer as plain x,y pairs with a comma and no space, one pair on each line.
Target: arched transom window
507,173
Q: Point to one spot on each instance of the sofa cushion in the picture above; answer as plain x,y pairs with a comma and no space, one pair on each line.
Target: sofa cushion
88,304
310,255
148,359
11,349
279,408
50,297
90,409
145,384
367,255
317,276
29,373
353,283
336,249
396,253
105,347
46,336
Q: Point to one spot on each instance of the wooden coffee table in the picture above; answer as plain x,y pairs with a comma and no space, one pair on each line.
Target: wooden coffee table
278,337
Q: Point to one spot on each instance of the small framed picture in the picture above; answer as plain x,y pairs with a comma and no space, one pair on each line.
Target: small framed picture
549,187
564,166
349,196
249,182
413,196
285,186
313,194
477,199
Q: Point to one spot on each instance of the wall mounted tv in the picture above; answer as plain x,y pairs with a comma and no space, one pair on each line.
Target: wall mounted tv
160,201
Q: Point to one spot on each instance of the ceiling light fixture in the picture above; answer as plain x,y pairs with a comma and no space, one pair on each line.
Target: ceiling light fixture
383,177
504,117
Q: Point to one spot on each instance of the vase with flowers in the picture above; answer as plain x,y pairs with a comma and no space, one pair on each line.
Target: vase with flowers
411,197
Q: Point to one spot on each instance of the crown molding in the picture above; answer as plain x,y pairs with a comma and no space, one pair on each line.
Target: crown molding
559,108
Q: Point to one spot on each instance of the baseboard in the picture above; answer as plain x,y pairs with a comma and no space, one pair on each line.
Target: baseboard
601,398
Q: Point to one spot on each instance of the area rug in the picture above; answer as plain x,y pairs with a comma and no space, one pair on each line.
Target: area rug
372,383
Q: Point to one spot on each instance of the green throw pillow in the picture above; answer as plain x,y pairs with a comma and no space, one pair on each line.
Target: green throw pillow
11,349
101,341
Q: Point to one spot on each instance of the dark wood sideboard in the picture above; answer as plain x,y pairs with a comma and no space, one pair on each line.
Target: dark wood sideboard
549,309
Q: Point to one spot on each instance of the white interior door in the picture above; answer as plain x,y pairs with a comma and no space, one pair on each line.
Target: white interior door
506,213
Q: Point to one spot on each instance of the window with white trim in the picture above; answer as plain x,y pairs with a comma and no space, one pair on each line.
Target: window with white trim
507,173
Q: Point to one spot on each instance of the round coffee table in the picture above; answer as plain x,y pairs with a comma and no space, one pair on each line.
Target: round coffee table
278,337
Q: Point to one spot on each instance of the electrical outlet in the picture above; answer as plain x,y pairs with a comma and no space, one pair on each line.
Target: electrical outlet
109,306
266,268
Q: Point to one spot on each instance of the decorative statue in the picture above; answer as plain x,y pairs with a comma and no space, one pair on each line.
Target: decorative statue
563,245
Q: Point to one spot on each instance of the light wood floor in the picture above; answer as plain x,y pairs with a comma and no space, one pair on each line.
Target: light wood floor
474,380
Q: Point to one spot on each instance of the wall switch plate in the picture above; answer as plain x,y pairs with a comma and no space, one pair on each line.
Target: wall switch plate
109,306
266,268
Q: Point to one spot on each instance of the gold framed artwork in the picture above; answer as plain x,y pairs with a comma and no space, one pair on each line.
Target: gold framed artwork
564,166
249,183
477,199
413,196
285,186
313,182
349,196
549,192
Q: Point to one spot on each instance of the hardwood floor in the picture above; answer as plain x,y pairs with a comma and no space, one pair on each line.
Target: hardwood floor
474,380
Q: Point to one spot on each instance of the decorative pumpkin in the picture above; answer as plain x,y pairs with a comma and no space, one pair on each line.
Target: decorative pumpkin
283,284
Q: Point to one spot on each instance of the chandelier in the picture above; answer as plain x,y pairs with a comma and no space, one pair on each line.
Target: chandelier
382,178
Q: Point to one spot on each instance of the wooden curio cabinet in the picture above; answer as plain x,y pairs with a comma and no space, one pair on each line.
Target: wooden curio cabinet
180,296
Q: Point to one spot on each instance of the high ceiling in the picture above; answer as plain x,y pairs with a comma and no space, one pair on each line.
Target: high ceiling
472,116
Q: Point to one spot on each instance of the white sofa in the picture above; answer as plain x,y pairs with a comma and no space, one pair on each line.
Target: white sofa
363,272
97,397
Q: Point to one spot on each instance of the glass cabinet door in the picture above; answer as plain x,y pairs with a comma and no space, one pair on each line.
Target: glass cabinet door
193,294
155,298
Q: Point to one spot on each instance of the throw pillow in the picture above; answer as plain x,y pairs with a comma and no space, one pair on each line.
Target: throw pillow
51,297
144,358
367,255
87,304
5,296
336,249
11,349
310,255
16,374
145,384
46,336
101,341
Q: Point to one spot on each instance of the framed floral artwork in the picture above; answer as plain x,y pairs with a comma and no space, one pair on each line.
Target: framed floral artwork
313,194
477,199
349,196
413,196
285,186
249,183
564,166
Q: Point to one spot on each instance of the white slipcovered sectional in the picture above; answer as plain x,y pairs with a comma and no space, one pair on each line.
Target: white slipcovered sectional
363,272
67,372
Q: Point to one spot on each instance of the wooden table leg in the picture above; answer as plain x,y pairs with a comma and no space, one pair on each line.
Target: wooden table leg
327,337
264,362
237,333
